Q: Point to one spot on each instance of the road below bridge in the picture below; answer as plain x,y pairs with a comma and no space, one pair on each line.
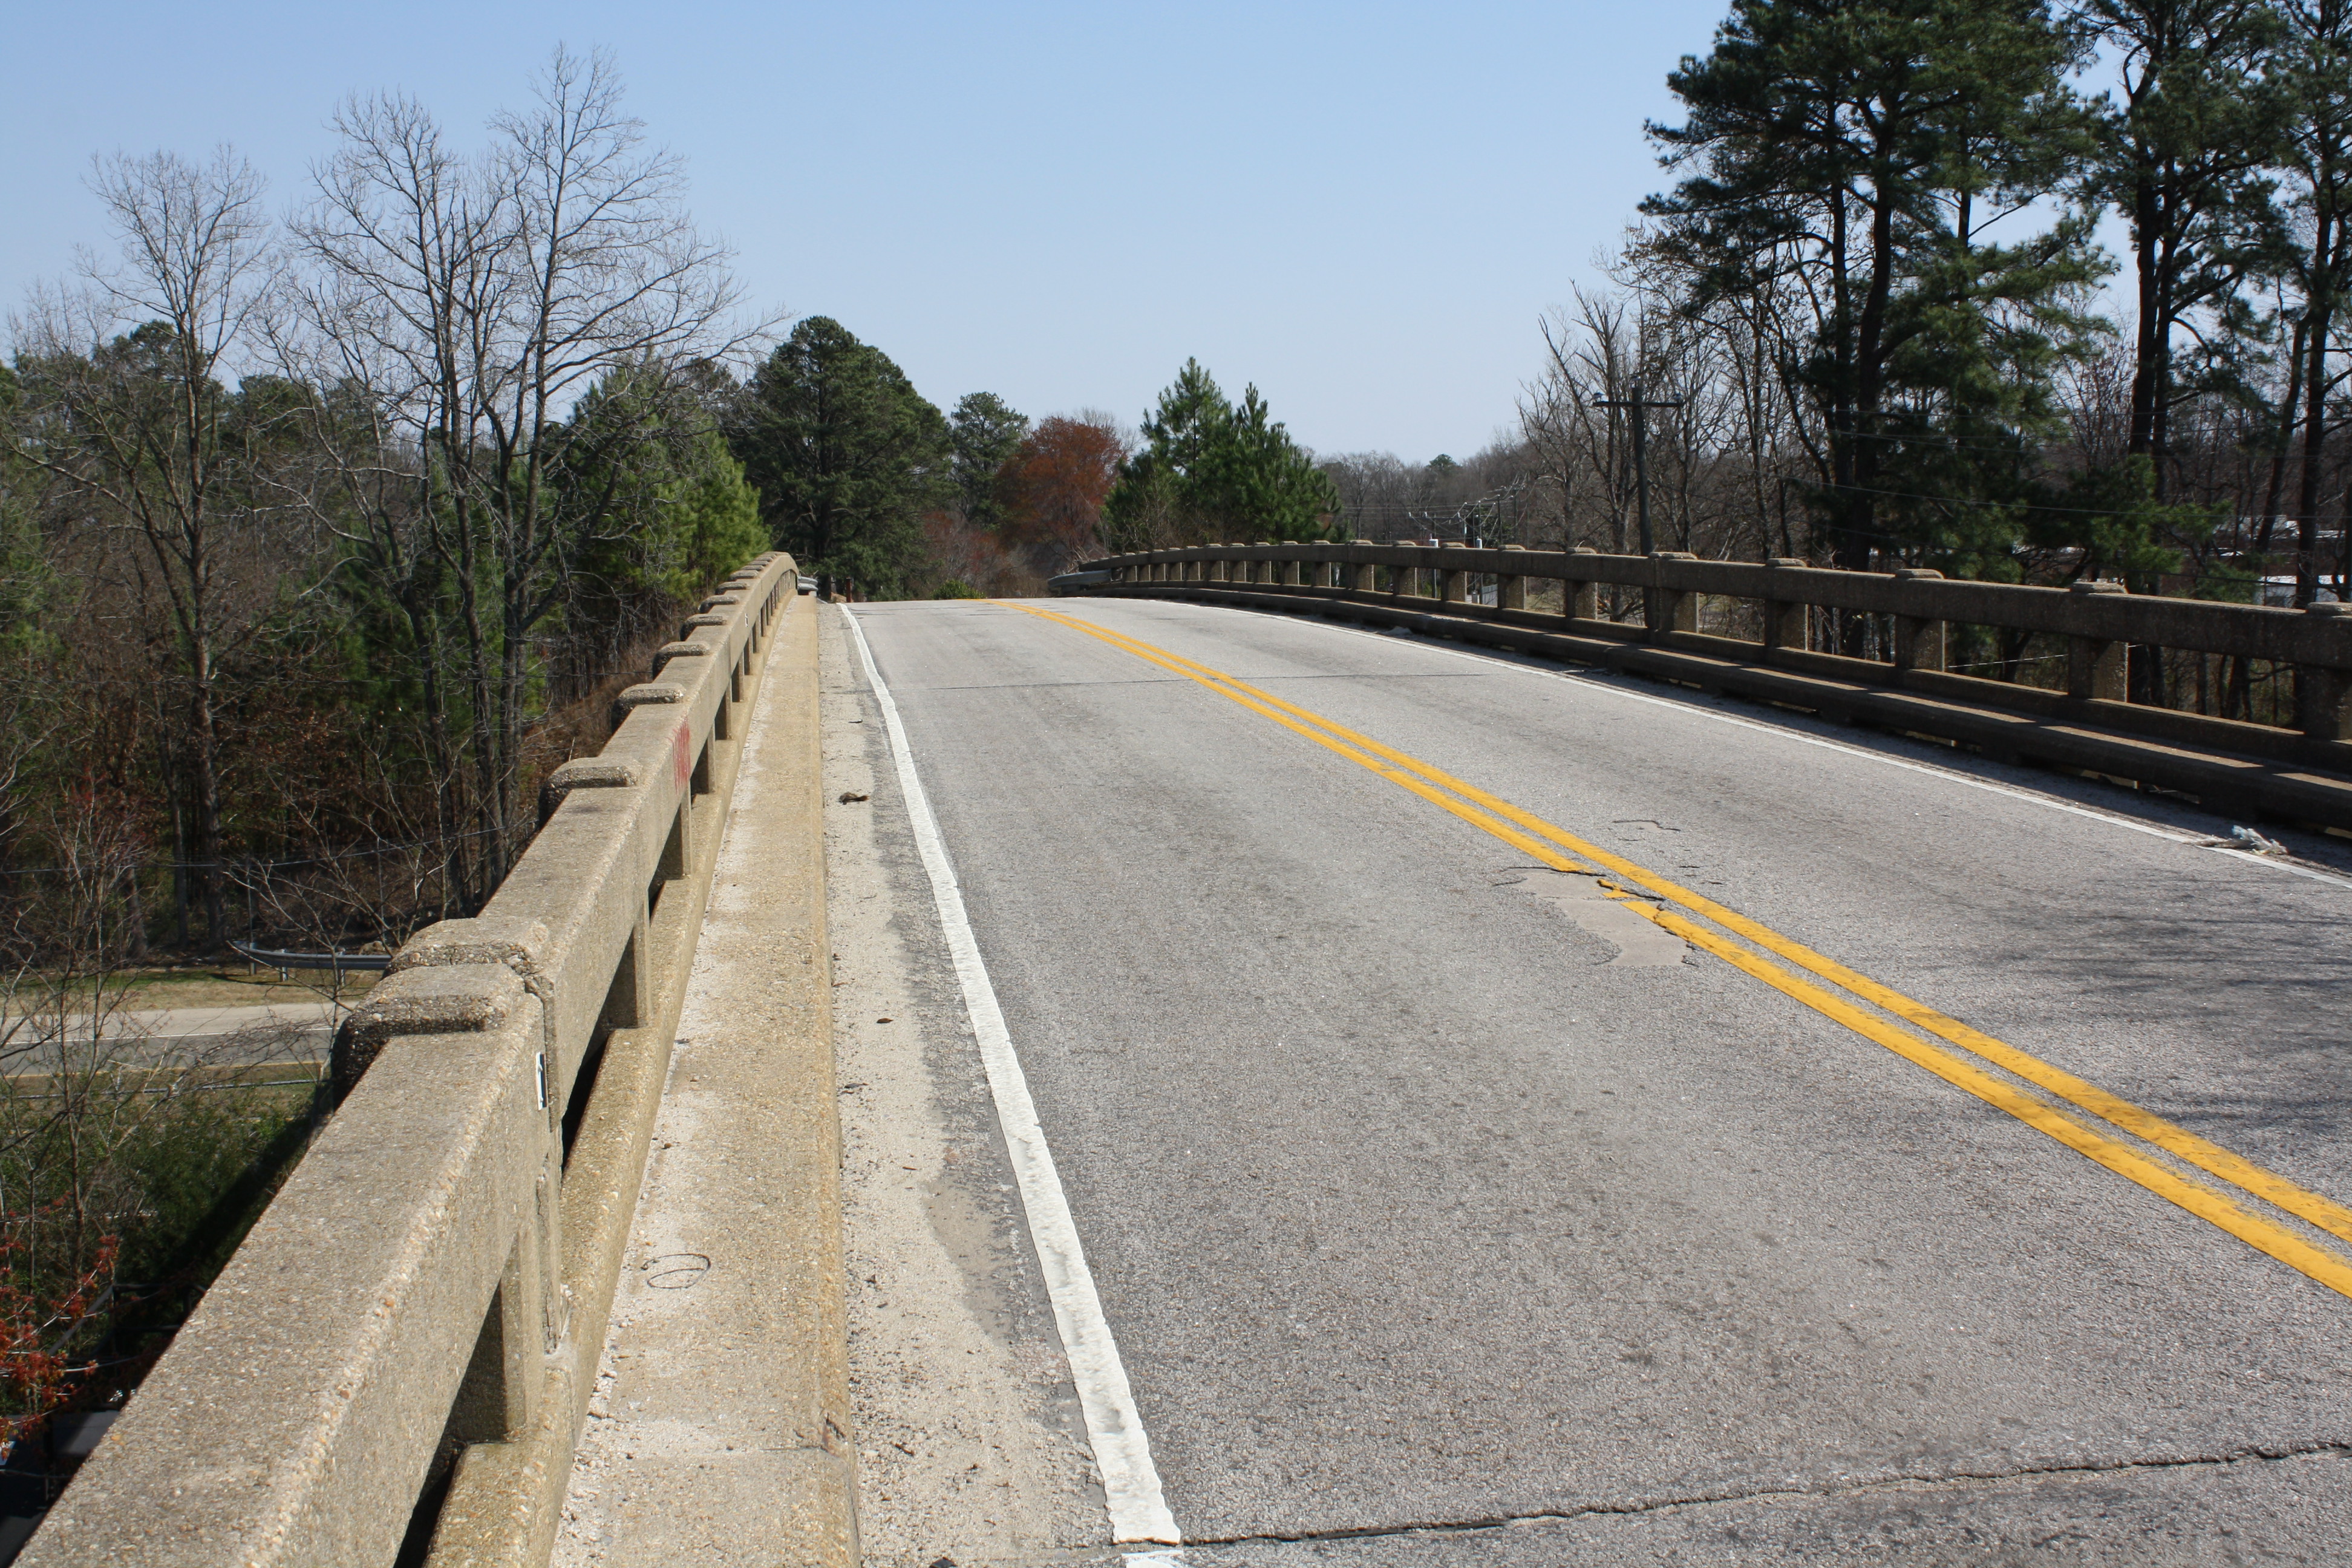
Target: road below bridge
1885,1156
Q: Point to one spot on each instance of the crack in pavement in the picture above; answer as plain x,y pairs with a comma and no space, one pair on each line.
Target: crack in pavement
1859,1489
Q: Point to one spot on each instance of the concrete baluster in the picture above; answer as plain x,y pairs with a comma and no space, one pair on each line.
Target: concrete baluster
1404,582
499,1399
1666,609
1580,599
1919,640
1368,576
1294,573
2094,666
1787,622
1511,590
1452,581
2320,690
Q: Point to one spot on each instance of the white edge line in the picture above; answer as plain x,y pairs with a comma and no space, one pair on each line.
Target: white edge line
1139,1510
1603,680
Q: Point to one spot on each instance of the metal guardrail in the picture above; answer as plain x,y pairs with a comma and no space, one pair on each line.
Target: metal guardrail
428,1296
285,963
2090,725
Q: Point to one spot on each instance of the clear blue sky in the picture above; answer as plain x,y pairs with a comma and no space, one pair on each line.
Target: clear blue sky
1362,209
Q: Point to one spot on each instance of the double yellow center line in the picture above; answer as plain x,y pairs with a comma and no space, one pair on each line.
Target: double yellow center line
1835,991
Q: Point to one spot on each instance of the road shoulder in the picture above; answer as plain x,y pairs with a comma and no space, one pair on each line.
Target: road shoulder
970,1444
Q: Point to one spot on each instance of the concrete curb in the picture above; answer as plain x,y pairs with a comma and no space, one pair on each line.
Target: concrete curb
720,1420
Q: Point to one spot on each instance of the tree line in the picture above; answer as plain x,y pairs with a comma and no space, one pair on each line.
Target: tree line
322,537
1876,296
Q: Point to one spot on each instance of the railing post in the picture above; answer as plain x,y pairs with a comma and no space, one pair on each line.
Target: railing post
1918,641
1511,589
499,1399
1451,583
2094,666
1294,573
1368,576
1404,581
1666,609
1580,598
2320,690
1787,622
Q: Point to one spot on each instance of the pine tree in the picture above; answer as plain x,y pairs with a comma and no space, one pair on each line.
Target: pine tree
1212,471
1848,154
846,456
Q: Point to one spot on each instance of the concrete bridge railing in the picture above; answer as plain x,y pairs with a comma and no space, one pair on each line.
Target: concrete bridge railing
424,1303
2090,724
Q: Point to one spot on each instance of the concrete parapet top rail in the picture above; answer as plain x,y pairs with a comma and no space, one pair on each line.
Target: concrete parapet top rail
2225,761
2320,636
430,1288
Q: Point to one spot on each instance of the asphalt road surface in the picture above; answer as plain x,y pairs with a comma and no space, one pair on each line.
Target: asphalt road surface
1447,1206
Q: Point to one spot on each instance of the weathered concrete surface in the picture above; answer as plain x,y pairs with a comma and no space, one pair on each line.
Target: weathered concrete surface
970,1446
720,1428
308,1447
1412,1208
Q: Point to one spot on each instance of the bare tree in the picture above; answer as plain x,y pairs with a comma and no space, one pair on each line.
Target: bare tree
464,303
127,378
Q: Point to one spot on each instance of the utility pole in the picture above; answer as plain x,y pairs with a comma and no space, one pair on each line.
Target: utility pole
1641,407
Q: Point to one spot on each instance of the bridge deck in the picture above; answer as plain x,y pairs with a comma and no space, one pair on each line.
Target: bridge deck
1428,1182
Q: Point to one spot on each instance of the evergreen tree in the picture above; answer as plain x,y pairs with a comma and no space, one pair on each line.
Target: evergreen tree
1844,153
675,512
985,432
2310,249
846,456
1210,471
2181,159
26,577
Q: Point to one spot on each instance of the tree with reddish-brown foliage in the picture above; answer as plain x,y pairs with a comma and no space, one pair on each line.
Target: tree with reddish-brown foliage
1052,488
40,1325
